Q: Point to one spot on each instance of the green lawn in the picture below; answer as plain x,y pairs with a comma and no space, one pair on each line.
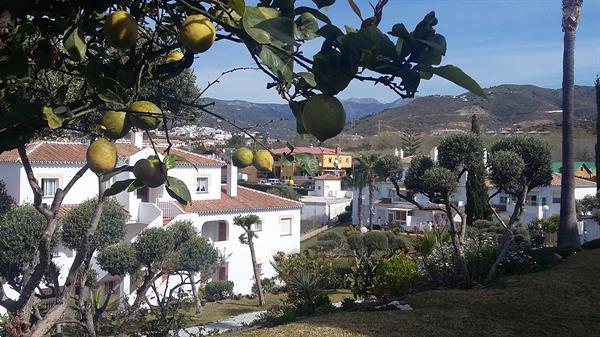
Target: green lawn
307,244
562,301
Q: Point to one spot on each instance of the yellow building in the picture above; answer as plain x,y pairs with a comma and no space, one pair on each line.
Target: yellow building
331,161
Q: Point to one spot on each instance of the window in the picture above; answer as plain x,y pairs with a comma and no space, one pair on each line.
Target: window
503,200
556,198
330,160
286,226
49,186
257,227
259,268
202,185
109,286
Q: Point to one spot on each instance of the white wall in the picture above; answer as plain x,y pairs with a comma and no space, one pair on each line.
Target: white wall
323,211
268,243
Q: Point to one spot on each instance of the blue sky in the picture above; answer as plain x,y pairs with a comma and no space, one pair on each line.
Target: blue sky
494,41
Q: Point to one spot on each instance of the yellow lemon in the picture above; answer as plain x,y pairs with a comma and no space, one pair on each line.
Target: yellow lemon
151,171
174,56
145,115
101,156
323,117
197,33
115,124
242,157
121,30
263,160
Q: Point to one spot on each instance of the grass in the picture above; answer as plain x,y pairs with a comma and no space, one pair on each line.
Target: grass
307,244
562,301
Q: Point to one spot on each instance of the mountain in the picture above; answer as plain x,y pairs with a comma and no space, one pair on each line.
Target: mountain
507,106
277,119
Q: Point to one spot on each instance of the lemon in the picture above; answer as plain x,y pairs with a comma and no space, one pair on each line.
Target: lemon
263,160
101,156
115,124
242,157
151,171
197,33
174,56
121,30
145,115
323,117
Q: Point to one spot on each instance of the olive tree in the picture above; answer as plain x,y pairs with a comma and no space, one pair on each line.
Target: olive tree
5,199
517,165
102,64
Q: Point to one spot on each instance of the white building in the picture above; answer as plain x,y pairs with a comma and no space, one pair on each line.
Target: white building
212,209
327,200
541,203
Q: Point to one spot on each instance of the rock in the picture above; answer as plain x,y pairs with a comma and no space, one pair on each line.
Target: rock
396,304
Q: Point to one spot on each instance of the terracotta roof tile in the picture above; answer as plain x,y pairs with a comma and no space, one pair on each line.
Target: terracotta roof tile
195,158
246,200
557,179
309,149
42,152
64,210
327,177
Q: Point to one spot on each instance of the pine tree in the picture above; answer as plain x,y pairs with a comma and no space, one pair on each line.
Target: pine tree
410,142
477,194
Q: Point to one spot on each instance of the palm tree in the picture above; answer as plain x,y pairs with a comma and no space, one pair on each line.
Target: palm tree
358,181
367,162
247,222
568,234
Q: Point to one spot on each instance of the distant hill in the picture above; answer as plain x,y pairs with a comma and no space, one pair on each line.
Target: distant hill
277,119
508,105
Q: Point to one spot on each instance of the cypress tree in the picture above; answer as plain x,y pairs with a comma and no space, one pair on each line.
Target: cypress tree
477,193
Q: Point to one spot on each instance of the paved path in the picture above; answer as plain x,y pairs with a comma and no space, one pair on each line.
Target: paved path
228,324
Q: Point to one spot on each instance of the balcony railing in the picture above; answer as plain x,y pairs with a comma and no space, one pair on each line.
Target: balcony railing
170,209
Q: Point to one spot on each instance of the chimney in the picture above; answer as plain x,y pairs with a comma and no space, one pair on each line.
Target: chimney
337,149
401,153
137,139
232,173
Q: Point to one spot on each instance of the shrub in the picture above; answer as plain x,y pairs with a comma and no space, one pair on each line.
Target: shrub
218,290
594,244
395,277
268,286
328,240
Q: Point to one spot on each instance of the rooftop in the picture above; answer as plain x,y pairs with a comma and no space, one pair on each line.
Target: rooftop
557,165
557,179
328,177
247,200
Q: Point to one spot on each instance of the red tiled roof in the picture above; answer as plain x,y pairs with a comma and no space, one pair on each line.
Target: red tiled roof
557,179
327,177
62,152
194,158
309,149
42,152
64,210
247,200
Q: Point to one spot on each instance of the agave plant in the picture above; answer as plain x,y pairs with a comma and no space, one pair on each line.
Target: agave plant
304,287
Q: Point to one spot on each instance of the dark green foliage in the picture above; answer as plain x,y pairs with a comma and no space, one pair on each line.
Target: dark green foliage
119,259
438,183
414,174
20,230
182,231
5,200
285,192
475,125
197,254
218,290
460,151
389,167
535,154
111,228
506,168
410,142
153,245
268,285
395,276
328,241
477,194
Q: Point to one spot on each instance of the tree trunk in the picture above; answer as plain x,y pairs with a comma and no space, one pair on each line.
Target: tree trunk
371,201
459,251
197,302
568,235
360,210
261,296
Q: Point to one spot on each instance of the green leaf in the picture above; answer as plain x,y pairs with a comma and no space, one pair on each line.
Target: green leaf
315,12
297,108
334,70
118,187
308,162
278,61
136,185
255,15
171,160
426,75
74,43
307,26
117,170
308,77
455,75
373,44
237,5
178,190
323,3
279,28
110,97
54,121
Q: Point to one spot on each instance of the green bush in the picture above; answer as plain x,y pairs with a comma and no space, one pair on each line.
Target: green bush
268,286
218,290
395,277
